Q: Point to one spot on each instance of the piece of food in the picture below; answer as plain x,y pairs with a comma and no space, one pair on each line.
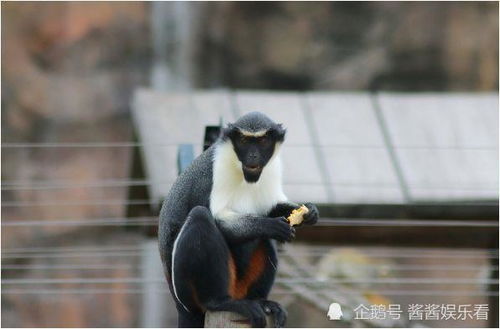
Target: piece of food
297,215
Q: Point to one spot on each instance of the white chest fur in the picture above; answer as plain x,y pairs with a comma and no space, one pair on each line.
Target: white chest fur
231,194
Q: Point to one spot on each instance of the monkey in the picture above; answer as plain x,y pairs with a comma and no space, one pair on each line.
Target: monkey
220,222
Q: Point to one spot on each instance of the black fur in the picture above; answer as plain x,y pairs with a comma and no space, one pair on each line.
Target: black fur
254,152
256,121
205,244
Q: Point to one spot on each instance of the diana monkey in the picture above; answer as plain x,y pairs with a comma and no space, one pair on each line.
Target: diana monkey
218,223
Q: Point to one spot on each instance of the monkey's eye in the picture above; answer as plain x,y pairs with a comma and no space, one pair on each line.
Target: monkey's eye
264,140
243,140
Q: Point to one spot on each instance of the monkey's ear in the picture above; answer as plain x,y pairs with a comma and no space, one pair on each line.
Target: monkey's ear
229,131
280,132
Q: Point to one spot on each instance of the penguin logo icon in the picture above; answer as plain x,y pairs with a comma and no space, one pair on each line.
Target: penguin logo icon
334,311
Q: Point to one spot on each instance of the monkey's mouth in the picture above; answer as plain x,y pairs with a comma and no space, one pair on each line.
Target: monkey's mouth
252,173
252,169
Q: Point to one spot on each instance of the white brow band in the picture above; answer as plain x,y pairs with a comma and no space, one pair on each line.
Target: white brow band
247,133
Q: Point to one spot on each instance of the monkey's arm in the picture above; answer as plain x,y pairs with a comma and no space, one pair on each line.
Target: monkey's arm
238,228
284,209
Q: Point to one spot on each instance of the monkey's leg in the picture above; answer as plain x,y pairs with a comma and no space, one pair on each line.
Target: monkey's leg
260,289
202,274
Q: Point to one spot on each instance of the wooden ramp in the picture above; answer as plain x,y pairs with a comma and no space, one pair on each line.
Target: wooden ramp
342,148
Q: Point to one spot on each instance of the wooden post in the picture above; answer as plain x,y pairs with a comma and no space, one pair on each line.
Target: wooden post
230,320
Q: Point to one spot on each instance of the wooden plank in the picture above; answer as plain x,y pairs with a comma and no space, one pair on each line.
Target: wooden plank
159,161
442,119
467,237
344,119
282,107
174,118
447,144
435,210
352,144
211,106
350,141
230,320
182,116
302,181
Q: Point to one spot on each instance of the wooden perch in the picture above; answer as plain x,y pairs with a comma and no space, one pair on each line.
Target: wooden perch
230,320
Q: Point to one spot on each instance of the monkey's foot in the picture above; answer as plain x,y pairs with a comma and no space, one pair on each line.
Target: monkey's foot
250,309
278,312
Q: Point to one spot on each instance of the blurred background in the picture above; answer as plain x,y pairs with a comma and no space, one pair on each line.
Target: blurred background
104,102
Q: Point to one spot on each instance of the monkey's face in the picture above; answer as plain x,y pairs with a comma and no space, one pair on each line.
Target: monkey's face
254,152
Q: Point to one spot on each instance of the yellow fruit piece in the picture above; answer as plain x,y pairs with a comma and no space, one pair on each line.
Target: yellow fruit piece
297,215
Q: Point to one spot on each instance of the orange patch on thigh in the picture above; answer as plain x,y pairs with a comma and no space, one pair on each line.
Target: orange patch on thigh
196,300
238,287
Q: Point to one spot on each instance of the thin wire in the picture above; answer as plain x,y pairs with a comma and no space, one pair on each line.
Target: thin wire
125,221
406,250
54,203
390,267
394,292
405,223
411,249
71,267
68,267
351,222
17,291
311,249
339,145
146,201
443,281
84,145
82,281
107,280
435,293
17,186
46,185
129,253
291,250
398,255
30,291
73,249
73,255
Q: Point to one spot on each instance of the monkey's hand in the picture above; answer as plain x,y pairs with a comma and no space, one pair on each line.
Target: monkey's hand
279,229
312,216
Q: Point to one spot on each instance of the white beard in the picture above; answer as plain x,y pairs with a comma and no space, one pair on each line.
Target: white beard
232,196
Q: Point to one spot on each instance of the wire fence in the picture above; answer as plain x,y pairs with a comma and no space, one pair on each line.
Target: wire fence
306,280
93,291
83,252
119,266
58,203
20,264
69,184
133,202
329,222
310,249
98,145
